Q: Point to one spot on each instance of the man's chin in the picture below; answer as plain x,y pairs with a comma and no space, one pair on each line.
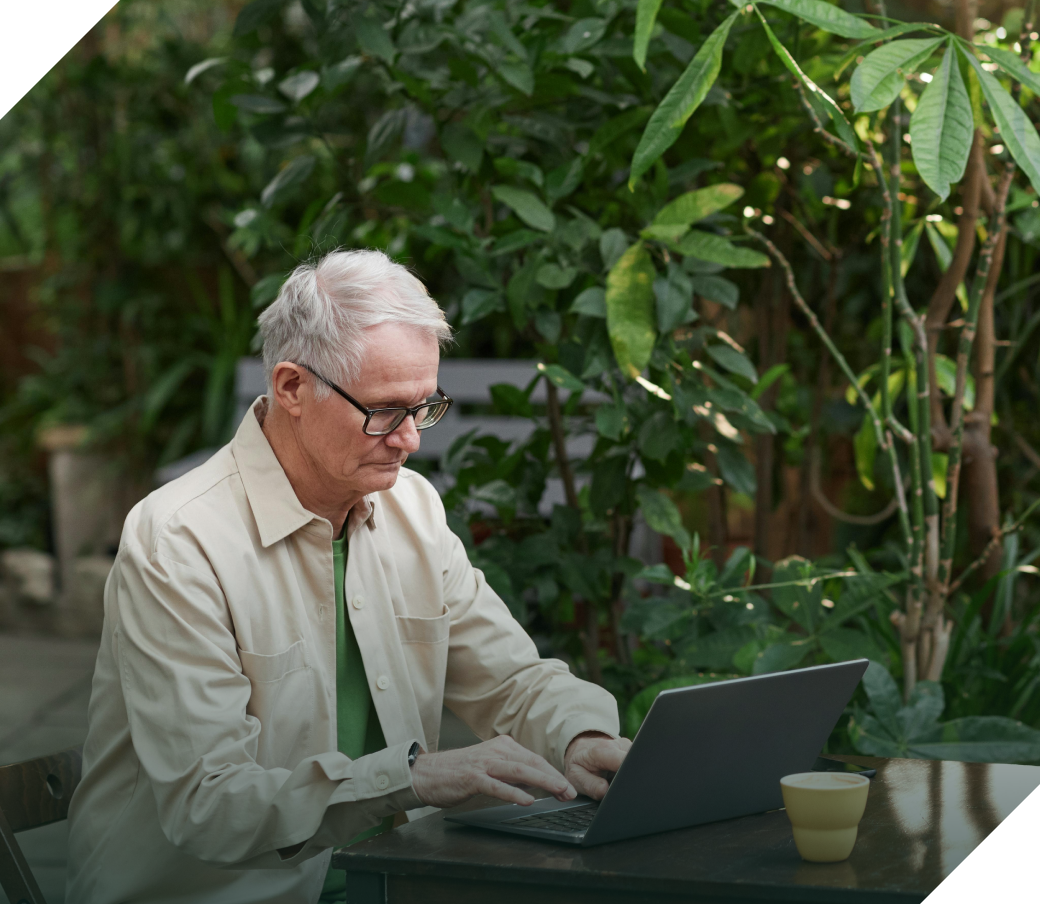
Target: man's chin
383,476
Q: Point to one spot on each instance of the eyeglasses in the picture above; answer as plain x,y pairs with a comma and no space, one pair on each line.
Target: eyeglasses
381,421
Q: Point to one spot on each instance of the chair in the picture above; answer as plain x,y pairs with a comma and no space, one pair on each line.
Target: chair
33,793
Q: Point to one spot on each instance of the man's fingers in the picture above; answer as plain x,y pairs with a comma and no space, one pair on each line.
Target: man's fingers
590,785
516,753
519,773
606,757
493,788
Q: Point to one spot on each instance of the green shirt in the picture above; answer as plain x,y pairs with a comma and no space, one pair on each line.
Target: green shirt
357,726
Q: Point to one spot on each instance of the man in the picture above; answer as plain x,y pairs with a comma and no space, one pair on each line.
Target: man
284,624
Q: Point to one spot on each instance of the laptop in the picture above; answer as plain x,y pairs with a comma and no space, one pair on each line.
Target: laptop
703,753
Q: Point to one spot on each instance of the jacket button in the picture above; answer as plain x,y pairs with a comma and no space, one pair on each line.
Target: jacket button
358,602
382,782
382,682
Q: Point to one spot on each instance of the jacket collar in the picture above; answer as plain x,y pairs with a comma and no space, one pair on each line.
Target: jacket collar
277,511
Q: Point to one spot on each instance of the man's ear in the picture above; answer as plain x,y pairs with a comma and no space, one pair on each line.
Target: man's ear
290,385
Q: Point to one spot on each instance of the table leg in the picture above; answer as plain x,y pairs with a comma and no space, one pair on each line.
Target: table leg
366,888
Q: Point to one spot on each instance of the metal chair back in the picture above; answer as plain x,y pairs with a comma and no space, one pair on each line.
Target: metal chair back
33,793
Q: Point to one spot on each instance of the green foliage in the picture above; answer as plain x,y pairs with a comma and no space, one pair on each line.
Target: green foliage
941,128
666,123
564,180
892,729
720,620
119,178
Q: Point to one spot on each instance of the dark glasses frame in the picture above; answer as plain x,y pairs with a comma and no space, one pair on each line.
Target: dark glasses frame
402,413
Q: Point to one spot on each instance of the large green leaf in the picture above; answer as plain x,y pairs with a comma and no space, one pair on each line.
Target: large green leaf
630,309
1012,64
914,729
256,14
779,657
946,377
707,246
822,103
870,738
668,120
883,693
674,294
897,31
735,469
258,103
582,35
519,75
696,205
646,16
1016,131
733,361
908,250
827,16
374,39
561,377
980,739
462,144
662,515
878,80
843,644
864,445
526,206
288,178
921,714
941,128
717,289
715,651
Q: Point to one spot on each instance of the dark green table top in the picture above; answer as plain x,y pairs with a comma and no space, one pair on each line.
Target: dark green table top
922,819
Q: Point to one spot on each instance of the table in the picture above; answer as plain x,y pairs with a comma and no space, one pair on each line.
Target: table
923,817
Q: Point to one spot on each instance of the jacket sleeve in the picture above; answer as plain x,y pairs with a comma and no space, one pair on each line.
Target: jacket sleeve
497,683
187,702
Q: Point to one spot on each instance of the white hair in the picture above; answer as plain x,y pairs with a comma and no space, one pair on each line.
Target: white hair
323,309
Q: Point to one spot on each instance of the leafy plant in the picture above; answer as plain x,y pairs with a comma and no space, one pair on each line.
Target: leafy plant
894,729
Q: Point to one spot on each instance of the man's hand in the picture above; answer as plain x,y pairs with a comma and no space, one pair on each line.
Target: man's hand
590,758
493,768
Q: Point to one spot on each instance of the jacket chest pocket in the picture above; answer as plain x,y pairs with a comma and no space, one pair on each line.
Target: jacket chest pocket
425,644
282,701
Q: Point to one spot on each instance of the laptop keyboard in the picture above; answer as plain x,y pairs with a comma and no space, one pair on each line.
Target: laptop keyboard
572,820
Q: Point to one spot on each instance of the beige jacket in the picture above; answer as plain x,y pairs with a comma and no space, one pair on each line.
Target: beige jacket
212,724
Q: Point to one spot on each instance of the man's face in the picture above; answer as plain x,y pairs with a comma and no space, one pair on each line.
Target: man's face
399,370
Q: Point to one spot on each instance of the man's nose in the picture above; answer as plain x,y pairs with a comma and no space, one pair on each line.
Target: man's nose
405,437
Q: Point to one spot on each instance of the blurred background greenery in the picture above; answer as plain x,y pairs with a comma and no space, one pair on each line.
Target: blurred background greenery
156,186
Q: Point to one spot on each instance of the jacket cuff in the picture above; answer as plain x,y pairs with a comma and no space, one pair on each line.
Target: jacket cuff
385,774
576,726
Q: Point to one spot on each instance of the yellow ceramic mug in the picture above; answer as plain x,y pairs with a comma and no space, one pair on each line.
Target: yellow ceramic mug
825,809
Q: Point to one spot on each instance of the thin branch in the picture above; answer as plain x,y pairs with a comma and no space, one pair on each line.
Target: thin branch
238,260
814,242
883,439
552,399
818,128
995,540
1027,450
590,636
836,513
